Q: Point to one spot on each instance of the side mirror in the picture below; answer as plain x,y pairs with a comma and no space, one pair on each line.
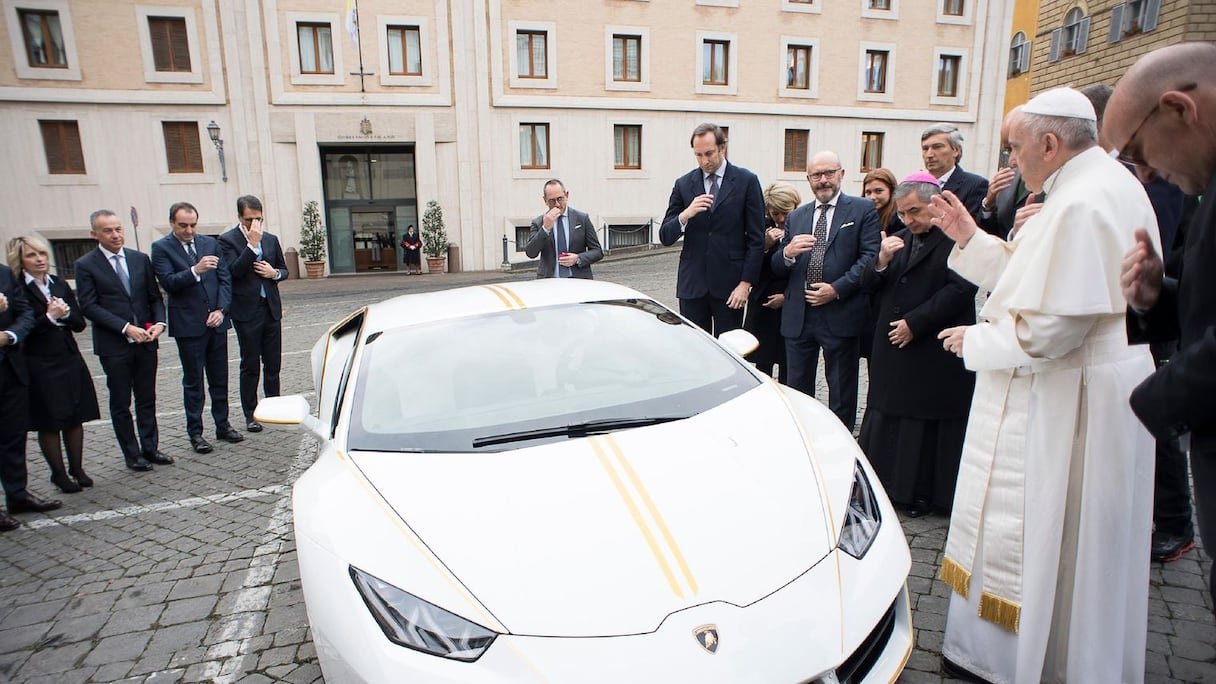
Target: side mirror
739,341
289,410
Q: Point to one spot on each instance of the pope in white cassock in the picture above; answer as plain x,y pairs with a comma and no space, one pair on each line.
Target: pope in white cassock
1048,550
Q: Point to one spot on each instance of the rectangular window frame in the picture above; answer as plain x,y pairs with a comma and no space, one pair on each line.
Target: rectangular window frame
812,90
620,143
964,19
643,35
803,6
143,16
404,31
870,12
17,40
383,24
871,150
188,136
534,127
935,90
317,29
730,62
517,79
338,36
794,159
71,162
863,92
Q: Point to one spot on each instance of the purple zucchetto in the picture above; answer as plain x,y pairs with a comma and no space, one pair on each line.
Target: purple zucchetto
921,177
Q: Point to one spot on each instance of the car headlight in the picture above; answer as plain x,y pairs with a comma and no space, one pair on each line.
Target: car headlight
411,622
862,518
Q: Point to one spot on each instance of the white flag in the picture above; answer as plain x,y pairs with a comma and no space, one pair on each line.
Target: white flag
352,20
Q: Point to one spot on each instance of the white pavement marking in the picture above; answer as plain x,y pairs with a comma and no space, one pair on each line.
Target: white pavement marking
159,507
245,622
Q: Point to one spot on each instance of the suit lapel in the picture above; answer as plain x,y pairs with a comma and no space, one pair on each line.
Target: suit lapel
933,237
840,217
726,187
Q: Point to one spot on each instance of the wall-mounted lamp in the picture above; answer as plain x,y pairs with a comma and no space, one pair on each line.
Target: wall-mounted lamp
213,130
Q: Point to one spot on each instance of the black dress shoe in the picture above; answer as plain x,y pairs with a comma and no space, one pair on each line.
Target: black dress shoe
65,484
253,426
8,522
918,508
229,434
201,446
139,464
1168,547
28,503
159,458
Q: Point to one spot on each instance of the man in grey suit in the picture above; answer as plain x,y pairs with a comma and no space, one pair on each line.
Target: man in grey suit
563,237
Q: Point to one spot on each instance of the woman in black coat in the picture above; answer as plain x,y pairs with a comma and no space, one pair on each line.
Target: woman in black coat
920,394
62,397
411,243
763,317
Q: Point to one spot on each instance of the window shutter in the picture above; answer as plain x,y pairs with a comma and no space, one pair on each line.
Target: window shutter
173,146
183,151
1057,36
1150,15
1116,23
71,144
181,45
193,147
53,146
1082,35
158,31
1024,58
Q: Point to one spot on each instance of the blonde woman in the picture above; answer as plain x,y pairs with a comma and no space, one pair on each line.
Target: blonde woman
62,397
764,304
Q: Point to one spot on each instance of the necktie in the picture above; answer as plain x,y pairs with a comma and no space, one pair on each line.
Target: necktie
917,242
122,273
713,189
191,253
562,246
814,267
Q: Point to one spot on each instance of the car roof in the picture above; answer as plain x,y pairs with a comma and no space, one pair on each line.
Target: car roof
427,307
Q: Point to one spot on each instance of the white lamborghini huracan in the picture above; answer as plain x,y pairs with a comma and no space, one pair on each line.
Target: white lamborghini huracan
565,481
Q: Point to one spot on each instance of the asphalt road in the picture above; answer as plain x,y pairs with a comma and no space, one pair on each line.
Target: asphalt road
188,573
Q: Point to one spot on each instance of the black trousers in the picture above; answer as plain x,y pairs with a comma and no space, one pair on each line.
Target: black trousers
711,314
133,372
205,354
14,407
841,356
261,342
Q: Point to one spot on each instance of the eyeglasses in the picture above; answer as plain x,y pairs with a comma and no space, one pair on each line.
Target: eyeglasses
816,175
1132,153
551,201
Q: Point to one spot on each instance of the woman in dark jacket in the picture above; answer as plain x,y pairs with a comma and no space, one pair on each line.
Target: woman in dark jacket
412,246
879,187
764,303
62,397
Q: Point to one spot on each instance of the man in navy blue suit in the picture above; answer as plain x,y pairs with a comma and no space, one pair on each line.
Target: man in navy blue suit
188,267
16,321
941,148
256,263
830,242
719,210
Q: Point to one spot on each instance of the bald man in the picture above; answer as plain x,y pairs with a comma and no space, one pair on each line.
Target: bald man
1162,116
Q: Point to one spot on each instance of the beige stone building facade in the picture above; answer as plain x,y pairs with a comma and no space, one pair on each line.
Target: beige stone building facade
473,103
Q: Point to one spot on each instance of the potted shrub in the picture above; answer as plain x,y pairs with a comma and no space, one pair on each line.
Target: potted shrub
434,237
312,240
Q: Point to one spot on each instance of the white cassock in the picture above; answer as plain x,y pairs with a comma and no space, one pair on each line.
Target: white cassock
1048,550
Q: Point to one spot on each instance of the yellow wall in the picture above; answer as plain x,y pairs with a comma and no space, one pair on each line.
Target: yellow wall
1025,18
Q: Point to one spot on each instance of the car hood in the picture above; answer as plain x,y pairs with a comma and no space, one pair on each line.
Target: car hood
608,535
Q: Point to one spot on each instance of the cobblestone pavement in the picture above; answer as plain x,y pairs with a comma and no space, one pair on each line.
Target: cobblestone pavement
188,573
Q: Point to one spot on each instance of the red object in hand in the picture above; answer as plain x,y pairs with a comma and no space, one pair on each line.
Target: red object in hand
148,326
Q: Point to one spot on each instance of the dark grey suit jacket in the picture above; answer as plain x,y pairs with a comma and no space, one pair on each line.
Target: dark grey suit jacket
583,242
1000,221
104,301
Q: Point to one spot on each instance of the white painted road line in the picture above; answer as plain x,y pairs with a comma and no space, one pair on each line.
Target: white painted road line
159,507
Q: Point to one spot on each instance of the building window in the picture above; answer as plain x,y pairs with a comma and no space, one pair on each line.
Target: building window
871,151
953,8
796,143
798,66
404,51
44,44
183,149
626,58
67,252
882,5
61,141
534,146
1131,18
1019,54
947,75
316,48
531,53
1072,38
801,2
714,66
170,43
876,71
627,143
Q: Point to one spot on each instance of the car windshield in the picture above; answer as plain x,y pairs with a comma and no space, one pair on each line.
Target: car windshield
624,363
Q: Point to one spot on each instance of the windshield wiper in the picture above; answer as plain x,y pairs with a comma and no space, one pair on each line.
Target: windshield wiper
591,427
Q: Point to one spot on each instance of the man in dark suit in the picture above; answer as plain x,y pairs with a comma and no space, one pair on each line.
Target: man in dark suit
188,266
563,237
719,210
256,264
16,321
117,292
831,241
1160,117
941,148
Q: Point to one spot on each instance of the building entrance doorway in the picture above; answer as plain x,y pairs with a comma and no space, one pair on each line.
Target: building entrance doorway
370,200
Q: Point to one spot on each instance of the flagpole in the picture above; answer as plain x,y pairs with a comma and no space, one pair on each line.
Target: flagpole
352,25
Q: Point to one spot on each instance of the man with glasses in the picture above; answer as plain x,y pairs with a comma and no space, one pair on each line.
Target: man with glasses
1048,548
563,237
256,263
830,243
1162,116
718,208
